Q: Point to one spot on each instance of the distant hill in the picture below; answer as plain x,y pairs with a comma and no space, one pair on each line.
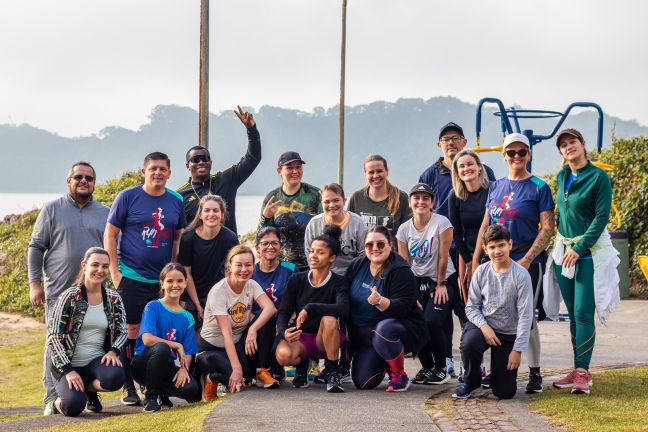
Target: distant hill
405,132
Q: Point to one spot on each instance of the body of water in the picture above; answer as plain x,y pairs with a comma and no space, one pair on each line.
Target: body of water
248,207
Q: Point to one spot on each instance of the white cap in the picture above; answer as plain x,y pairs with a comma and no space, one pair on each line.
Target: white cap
513,138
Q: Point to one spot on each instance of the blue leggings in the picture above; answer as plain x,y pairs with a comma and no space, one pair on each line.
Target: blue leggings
373,347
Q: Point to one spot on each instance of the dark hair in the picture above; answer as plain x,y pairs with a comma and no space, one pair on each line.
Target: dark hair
393,193
331,236
85,164
195,148
267,231
197,222
86,257
157,156
380,229
496,232
335,188
172,267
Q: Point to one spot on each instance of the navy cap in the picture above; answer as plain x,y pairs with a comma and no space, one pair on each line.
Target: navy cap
288,157
451,126
421,187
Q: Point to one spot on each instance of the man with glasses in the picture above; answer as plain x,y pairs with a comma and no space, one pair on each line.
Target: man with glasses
224,183
64,230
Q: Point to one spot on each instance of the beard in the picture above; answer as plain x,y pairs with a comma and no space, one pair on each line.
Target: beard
81,196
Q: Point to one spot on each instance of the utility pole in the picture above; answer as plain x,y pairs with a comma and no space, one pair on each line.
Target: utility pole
341,115
203,114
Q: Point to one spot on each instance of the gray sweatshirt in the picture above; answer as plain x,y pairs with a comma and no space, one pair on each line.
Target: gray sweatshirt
352,240
504,301
62,233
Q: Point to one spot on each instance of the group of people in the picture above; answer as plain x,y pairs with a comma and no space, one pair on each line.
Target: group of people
357,283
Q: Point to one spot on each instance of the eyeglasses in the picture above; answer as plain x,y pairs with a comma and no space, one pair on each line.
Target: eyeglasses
265,244
80,177
380,245
521,152
455,139
199,158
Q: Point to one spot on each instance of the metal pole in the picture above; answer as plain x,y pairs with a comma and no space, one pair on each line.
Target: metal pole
203,114
341,115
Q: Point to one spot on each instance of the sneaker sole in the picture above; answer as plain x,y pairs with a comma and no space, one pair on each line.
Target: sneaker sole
273,385
129,403
580,391
456,396
531,391
443,381
393,390
570,385
335,389
302,386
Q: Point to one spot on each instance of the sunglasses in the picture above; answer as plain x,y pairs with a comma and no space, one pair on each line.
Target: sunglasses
199,158
380,245
521,152
80,177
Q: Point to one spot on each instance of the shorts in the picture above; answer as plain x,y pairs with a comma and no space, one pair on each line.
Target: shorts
311,350
135,296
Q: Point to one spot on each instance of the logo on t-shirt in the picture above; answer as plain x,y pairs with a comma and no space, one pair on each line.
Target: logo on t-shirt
270,292
422,249
238,312
154,233
503,212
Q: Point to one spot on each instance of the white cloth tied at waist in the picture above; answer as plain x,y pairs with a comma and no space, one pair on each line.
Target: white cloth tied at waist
606,277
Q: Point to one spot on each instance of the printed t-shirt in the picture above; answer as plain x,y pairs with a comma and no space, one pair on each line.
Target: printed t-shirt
362,313
238,307
517,205
167,324
274,282
377,212
148,225
423,246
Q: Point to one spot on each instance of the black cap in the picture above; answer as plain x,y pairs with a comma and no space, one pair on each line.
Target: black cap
288,157
451,126
421,187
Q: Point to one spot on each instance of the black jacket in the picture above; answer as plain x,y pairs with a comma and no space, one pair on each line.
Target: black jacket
401,290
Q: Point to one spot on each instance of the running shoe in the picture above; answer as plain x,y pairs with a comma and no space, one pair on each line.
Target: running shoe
334,385
300,381
486,381
93,404
535,383
322,377
210,389
345,376
462,392
568,380
163,399
399,382
248,382
450,367
422,376
130,397
263,376
581,383
278,372
151,403
438,376
50,409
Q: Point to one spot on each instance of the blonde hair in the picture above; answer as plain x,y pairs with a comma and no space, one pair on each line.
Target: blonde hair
197,222
458,185
393,193
236,250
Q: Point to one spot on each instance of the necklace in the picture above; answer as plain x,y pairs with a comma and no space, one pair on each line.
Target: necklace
194,189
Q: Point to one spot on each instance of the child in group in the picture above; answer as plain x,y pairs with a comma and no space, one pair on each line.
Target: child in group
166,345
499,311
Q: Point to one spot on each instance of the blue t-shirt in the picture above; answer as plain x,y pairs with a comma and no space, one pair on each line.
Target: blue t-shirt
362,313
148,225
273,283
164,323
517,205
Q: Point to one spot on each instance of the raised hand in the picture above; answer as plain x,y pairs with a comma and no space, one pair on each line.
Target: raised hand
246,118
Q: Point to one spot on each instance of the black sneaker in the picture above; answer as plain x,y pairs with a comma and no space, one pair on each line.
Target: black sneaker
486,382
278,372
322,377
422,376
300,381
129,397
535,383
345,376
151,403
438,376
334,384
93,404
163,400
462,392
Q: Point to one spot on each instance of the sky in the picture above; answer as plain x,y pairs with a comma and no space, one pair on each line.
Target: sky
75,67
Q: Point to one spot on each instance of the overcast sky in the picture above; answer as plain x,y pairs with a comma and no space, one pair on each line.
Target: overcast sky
74,67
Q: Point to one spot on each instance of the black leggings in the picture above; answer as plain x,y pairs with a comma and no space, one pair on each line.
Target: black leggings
154,370
372,349
73,402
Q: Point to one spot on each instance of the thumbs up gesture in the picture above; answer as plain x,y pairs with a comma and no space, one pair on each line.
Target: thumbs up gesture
375,297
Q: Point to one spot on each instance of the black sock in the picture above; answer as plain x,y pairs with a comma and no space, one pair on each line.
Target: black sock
331,365
126,356
534,369
302,368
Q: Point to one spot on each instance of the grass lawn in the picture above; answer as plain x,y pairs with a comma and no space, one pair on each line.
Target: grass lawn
617,402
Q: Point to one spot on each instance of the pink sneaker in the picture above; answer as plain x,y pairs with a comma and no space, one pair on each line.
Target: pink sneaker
566,382
582,382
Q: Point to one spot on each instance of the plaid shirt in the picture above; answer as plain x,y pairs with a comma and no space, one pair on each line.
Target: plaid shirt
67,318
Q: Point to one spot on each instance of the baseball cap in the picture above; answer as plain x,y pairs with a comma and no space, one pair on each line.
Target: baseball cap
513,138
572,132
451,126
288,157
421,187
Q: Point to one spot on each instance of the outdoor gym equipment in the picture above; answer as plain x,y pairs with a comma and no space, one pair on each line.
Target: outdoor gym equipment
510,123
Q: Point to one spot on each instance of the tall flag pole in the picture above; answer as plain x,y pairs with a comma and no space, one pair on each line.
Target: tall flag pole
341,115
203,114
